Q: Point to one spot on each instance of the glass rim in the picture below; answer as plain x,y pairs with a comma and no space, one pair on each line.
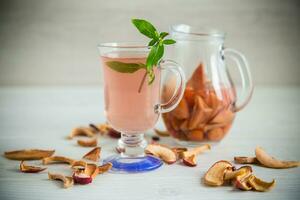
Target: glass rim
125,45
197,31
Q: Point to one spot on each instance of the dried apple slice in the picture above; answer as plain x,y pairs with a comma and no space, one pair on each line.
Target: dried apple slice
260,185
198,79
82,131
245,160
268,161
57,159
182,110
241,182
79,165
30,169
87,143
104,168
215,175
233,174
200,113
28,154
195,135
162,133
87,175
67,180
215,134
225,116
166,154
93,155
179,151
189,157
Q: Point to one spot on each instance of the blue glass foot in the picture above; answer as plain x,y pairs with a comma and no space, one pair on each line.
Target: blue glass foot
133,165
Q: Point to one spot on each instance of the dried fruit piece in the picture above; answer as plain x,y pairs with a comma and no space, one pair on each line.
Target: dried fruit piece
93,155
162,133
30,169
215,175
260,185
104,168
225,116
28,154
79,165
179,151
215,134
198,79
67,180
200,113
57,159
233,174
195,135
189,158
88,143
268,161
113,133
245,160
82,178
241,182
182,110
166,154
82,131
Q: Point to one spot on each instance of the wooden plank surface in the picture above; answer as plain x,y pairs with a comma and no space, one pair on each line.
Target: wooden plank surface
42,117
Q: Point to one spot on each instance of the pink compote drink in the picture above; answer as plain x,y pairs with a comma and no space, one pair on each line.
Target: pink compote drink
128,107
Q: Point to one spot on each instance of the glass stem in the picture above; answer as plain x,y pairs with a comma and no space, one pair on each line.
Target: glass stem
132,145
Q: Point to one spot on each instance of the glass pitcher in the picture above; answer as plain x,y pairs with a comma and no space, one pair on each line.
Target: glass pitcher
210,102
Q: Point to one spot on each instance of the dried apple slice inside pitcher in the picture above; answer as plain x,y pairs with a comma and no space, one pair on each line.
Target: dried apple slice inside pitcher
28,154
198,79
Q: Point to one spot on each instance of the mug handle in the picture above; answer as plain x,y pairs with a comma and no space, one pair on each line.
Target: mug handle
247,83
173,67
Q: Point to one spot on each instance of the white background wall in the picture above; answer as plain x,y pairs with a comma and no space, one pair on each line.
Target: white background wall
53,42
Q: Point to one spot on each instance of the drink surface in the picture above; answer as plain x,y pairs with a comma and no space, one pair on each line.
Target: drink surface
127,109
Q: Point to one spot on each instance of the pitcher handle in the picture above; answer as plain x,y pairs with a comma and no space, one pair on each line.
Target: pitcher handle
172,66
247,84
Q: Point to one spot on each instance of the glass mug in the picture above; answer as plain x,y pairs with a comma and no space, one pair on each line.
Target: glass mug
132,106
210,102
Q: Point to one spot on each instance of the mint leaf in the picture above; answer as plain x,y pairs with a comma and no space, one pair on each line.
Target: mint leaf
155,55
146,28
162,35
124,67
169,41
152,42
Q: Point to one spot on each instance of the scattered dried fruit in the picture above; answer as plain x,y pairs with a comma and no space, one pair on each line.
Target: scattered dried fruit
241,178
58,159
162,133
104,168
179,151
163,152
82,131
245,160
260,185
113,133
67,180
215,175
189,158
28,154
155,138
30,169
268,161
93,155
88,143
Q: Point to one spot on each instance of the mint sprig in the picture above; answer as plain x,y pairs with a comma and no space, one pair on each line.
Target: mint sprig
157,44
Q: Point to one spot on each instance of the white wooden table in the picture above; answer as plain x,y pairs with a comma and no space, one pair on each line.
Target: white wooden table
42,117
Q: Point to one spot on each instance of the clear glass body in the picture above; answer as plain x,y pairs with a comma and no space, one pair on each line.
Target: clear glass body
210,102
132,106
